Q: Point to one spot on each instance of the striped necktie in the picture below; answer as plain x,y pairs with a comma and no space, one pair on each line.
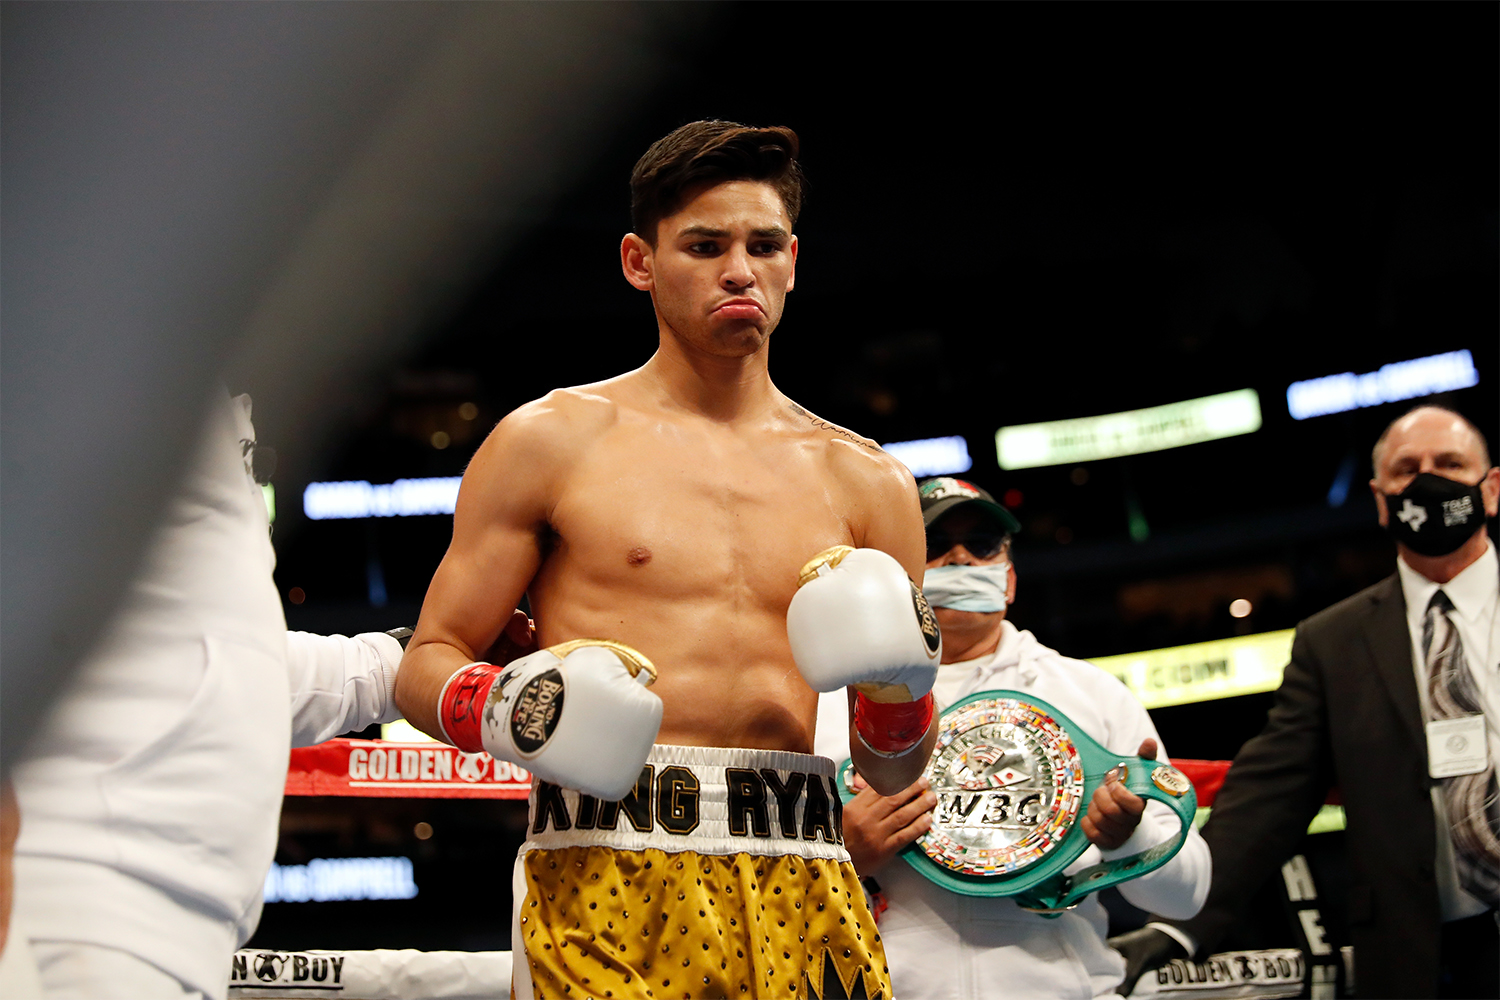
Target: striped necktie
1472,800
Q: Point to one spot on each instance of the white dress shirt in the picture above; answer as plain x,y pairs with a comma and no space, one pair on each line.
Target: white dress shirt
1475,594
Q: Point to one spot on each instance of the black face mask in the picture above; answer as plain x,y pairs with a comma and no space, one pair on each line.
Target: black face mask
1434,515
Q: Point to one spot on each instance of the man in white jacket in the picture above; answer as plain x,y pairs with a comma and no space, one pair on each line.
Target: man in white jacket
150,801
944,945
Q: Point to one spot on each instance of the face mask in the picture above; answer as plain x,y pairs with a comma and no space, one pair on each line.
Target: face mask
1434,515
967,588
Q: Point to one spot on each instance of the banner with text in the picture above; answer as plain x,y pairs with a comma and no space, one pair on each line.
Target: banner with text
375,768
1223,668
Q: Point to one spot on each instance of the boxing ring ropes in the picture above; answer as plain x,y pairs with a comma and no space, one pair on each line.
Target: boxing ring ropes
381,769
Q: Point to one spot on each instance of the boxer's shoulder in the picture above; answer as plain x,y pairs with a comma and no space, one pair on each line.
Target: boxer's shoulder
580,410
871,482
554,428
849,455
544,439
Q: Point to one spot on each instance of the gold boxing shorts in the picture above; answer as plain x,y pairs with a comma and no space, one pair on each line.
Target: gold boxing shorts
723,874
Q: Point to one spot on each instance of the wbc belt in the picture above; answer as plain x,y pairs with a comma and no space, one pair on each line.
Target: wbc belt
1012,777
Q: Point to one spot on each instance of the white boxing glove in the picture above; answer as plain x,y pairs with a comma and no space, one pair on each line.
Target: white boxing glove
858,620
577,714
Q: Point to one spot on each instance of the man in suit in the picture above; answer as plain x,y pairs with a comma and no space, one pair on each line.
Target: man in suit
1393,697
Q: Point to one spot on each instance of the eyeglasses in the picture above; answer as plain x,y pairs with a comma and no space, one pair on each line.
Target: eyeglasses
981,544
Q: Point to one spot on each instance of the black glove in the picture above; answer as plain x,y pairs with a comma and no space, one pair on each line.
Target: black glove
1144,950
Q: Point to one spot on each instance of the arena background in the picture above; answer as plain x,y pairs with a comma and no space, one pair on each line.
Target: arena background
1018,213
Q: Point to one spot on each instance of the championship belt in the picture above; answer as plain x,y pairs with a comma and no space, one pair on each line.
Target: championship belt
1013,776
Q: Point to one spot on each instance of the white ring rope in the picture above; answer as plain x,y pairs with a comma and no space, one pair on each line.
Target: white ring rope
387,974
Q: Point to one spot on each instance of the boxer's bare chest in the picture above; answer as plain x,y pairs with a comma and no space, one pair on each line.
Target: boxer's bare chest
690,511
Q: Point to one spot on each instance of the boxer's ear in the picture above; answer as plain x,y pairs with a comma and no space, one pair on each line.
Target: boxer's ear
638,262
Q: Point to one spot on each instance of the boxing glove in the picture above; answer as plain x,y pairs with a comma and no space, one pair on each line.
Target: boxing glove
577,714
857,620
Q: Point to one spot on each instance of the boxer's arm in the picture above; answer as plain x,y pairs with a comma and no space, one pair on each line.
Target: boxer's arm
890,516
503,506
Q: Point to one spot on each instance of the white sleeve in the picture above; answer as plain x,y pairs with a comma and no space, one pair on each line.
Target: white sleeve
1178,888
831,739
339,684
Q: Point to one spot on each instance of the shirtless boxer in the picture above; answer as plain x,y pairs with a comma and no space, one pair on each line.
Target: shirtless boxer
674,511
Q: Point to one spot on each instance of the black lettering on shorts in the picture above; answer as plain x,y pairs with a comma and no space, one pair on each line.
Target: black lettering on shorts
637,804
838,809
786,797
816,819
550,804
747,795
588,807
677,800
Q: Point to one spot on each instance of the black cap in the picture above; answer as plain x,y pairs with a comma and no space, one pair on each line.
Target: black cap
942,494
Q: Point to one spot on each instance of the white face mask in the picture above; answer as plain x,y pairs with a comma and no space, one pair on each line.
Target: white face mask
968,588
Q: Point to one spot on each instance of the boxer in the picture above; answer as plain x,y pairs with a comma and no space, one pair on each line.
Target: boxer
683,839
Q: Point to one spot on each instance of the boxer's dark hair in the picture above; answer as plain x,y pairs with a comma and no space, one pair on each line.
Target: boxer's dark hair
711,152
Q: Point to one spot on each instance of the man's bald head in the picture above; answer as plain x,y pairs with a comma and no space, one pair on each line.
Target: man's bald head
1430,417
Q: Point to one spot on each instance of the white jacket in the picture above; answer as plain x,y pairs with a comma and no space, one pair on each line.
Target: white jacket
150,801
944,945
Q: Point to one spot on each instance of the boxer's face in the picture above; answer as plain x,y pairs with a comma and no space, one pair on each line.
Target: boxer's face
721,267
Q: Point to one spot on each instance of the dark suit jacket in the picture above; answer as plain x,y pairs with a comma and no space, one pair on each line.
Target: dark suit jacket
1347,714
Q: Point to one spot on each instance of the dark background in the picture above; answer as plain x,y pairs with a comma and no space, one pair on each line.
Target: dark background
1017,213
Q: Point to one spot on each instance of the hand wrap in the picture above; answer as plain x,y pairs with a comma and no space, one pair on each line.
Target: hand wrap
462,702
892,730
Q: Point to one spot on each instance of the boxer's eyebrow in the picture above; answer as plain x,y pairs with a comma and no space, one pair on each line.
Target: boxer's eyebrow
764,233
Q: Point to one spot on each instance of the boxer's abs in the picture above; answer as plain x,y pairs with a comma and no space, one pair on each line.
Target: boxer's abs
725,670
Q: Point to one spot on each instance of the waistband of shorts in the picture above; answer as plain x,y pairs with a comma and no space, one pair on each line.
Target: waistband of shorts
708,800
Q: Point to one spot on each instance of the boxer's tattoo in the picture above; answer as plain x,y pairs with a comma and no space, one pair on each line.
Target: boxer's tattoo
825,425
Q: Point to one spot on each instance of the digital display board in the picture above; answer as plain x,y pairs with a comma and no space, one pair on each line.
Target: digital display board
1133,432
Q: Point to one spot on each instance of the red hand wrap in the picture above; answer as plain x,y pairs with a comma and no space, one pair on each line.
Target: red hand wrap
461,703
892,729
